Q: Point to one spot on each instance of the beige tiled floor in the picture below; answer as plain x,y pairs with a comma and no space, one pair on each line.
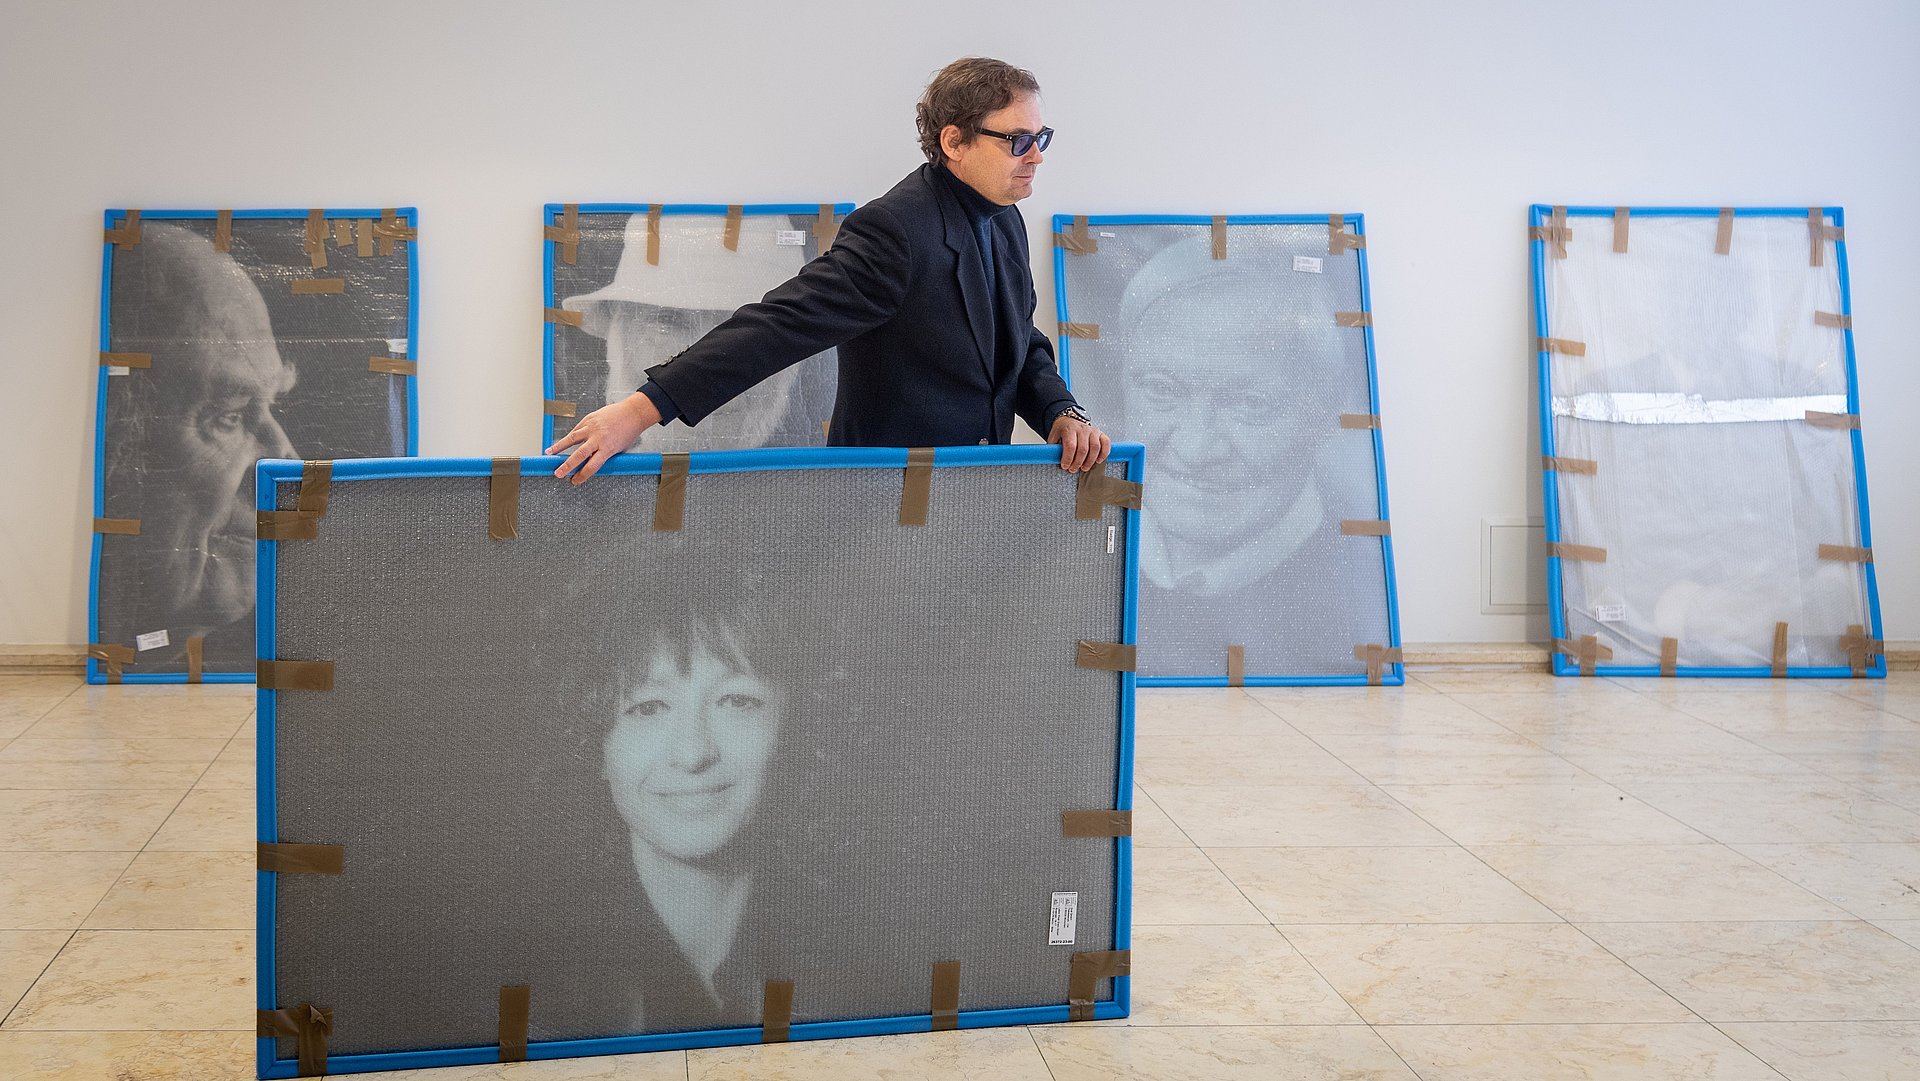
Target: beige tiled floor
1477,877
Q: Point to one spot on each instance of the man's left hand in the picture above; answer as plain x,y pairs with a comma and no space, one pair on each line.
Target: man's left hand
1082,446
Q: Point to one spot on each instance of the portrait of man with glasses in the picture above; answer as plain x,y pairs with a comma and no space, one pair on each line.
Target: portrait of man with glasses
927,293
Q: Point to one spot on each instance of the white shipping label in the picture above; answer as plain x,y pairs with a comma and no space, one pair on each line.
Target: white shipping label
1609,613
116,369
1060,923
1109,236
1307,264
1113,534
790,238
151,640
397,346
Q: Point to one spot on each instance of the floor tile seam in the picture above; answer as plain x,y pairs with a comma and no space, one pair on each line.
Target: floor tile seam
1038,1050
1358,1017
1496,721
1164,813
1374,1031
1810,890
1650,981
14,1007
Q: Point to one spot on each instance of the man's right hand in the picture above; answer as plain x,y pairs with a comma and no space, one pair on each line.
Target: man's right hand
604,433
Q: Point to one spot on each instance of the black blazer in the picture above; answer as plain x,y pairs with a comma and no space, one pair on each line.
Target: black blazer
903,294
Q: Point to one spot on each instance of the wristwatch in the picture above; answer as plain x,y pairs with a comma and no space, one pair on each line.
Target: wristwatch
1075,412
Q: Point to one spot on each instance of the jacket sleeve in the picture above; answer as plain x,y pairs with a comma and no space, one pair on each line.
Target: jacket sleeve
857,284
1042,395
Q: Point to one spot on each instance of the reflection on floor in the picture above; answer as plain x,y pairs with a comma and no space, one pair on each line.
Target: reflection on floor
1485,876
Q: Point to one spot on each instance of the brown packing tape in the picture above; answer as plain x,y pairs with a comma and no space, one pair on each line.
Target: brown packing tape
292,859
1352,319
390,229
363,238
776,1011
730,233
1563,346
392,366
1669,656
1779,670
916,490
126,360
1366,527
1818,233
307,287
553,407
1077,240
1339,240
1084,974
125,527
1089,331
294,675
196,657
112,657
1359,420
1861,651
1095,490
280,525
315,244
316,485
1105,656
503,500
566,235
127,233
1620,214
1219,237
1586,651
945,1000
1096,823
1377,657
1582,553
1723,235
1556,234
516,1003
670,498
825,228
1236,666
1848,421
223,230
653,234
1845,554
309,1025
1833,319
342,233
565,318
1584,466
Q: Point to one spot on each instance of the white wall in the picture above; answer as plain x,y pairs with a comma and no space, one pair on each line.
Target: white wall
1440,121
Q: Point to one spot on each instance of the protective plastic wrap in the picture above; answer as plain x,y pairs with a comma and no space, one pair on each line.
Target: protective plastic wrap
643,747
1239,350
1705,486
227,337
629,286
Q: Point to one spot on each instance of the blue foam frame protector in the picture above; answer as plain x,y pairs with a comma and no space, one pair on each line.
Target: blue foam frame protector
271,473
551,216
1564,665
1394,674
95,672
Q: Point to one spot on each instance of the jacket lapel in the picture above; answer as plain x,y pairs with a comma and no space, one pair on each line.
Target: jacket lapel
973,280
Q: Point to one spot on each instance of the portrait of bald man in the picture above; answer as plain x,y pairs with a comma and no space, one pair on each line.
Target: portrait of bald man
239,368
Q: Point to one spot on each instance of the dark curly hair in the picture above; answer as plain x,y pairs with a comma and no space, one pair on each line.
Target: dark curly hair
962,94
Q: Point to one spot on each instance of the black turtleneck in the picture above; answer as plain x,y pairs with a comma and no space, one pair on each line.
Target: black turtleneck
981,211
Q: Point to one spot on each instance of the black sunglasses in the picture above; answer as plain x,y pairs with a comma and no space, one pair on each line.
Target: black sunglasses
1023,141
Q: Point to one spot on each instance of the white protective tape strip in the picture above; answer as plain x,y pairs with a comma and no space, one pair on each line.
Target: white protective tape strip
1674,408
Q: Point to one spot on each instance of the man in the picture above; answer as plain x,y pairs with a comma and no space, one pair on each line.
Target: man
926,290
184,437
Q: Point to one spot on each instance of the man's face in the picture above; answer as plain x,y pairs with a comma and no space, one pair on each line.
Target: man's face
202,533
987,164
1206,397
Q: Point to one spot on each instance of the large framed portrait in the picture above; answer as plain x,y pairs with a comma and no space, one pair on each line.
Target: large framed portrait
1705,481
1239,350
632,285
717,748
227,337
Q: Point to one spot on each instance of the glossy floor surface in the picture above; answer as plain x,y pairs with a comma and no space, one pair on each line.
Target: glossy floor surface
1477,876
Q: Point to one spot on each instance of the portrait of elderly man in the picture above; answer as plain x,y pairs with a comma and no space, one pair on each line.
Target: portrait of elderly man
1234,374
221,391
652,310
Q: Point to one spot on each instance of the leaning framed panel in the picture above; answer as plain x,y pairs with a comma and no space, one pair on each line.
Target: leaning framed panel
1705,485
1239,350
228,336
791,744
632,285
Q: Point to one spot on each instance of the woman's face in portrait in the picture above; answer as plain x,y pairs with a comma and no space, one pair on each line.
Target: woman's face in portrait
688,751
